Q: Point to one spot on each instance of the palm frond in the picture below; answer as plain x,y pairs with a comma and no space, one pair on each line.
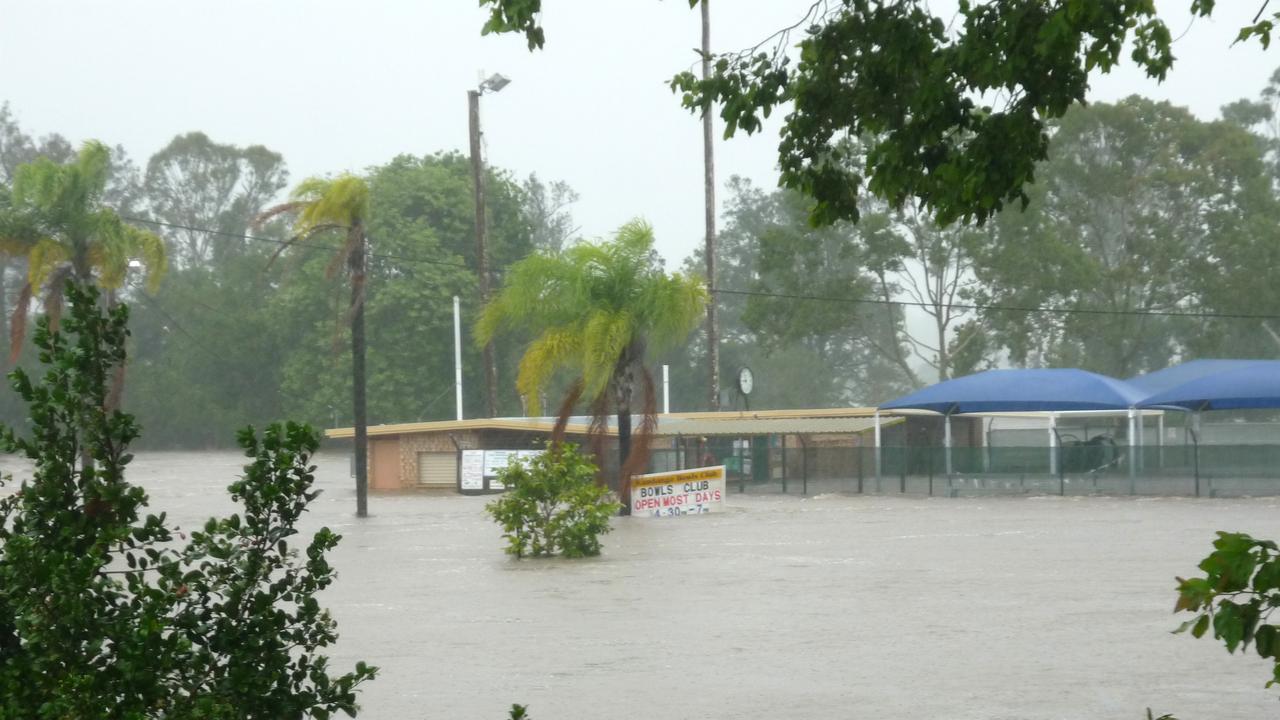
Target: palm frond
265,216
544,355
43,258
605,335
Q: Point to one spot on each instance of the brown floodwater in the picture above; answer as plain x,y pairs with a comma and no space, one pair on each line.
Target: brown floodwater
877,607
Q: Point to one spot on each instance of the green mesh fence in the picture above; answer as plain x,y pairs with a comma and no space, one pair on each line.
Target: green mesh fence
1074,469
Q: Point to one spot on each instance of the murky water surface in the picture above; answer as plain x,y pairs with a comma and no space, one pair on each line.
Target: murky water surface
882,608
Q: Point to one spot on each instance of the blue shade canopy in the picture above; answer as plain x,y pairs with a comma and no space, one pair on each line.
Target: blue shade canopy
1253,385
1055,389
1172,377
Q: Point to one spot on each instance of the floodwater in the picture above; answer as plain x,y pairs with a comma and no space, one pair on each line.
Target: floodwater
875,607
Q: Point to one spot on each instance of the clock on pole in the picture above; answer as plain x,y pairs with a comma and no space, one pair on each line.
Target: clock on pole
746,381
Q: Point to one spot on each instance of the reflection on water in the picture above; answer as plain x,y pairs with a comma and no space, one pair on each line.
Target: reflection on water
869,607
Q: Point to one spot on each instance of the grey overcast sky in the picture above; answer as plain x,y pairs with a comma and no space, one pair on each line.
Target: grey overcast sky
341,85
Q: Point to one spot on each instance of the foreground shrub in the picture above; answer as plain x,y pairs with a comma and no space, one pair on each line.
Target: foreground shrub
104,614
1236,597
553,504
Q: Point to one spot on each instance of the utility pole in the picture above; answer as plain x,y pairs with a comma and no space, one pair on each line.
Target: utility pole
356,266
709,190
494,83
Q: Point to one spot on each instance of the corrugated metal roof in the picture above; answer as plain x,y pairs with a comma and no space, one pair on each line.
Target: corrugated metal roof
670,427
516,424
805,422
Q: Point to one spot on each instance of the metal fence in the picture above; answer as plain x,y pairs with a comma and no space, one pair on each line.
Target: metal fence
1084,469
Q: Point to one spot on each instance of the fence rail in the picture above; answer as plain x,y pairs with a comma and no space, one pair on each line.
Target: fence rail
1083,469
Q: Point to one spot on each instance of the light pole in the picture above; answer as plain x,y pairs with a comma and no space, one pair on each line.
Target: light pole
493,83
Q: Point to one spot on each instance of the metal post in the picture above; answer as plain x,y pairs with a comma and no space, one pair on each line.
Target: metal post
1062,477
860,449
946,440
804,465
1133,461
1053,444
1195,438
457,353
877,449
986,443
1142,442
784,463
482,260
666,389
1160,439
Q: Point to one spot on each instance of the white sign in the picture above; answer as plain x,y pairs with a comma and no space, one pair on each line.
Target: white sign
684,492
479,470
472,476
495,460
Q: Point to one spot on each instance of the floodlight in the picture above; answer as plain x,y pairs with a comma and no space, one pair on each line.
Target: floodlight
495,82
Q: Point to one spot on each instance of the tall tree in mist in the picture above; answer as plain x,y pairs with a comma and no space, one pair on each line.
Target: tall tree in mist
197,185
1130,218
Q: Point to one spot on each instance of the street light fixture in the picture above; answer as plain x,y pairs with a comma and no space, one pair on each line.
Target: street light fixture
493,83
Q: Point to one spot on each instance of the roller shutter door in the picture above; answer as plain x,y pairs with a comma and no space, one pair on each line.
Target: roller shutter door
438,469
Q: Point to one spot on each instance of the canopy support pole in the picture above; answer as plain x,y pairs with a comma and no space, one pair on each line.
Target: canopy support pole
946,439
1160,439
877,450
1053,444
986,444
1133,460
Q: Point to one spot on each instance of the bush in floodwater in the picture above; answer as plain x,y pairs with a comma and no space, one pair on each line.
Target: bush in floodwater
105,613
553,504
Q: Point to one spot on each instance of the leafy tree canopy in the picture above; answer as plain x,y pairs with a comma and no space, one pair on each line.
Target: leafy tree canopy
957,108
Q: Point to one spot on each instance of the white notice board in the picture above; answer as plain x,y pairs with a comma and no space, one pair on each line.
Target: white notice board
684,492
478,470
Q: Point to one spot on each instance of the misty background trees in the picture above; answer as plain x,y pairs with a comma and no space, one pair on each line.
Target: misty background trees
1148,240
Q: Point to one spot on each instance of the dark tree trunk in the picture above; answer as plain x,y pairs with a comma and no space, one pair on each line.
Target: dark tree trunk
624,449
357,266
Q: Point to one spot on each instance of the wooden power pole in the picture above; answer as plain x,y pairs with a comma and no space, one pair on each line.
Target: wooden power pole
709,190
482,260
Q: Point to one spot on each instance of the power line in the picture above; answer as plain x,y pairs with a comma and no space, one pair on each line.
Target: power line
1029,309
304,244
1001,308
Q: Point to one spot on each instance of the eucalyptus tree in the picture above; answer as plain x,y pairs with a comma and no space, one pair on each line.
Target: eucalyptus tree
1143,210
599,310
196,185
340,206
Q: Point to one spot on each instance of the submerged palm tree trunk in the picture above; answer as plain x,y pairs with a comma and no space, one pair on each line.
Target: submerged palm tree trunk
357,265
624,451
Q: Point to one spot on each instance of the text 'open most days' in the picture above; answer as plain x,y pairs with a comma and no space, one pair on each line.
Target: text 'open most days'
676,495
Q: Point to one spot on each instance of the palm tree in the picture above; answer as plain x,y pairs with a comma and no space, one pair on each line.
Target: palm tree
339,205
56,220
597,309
